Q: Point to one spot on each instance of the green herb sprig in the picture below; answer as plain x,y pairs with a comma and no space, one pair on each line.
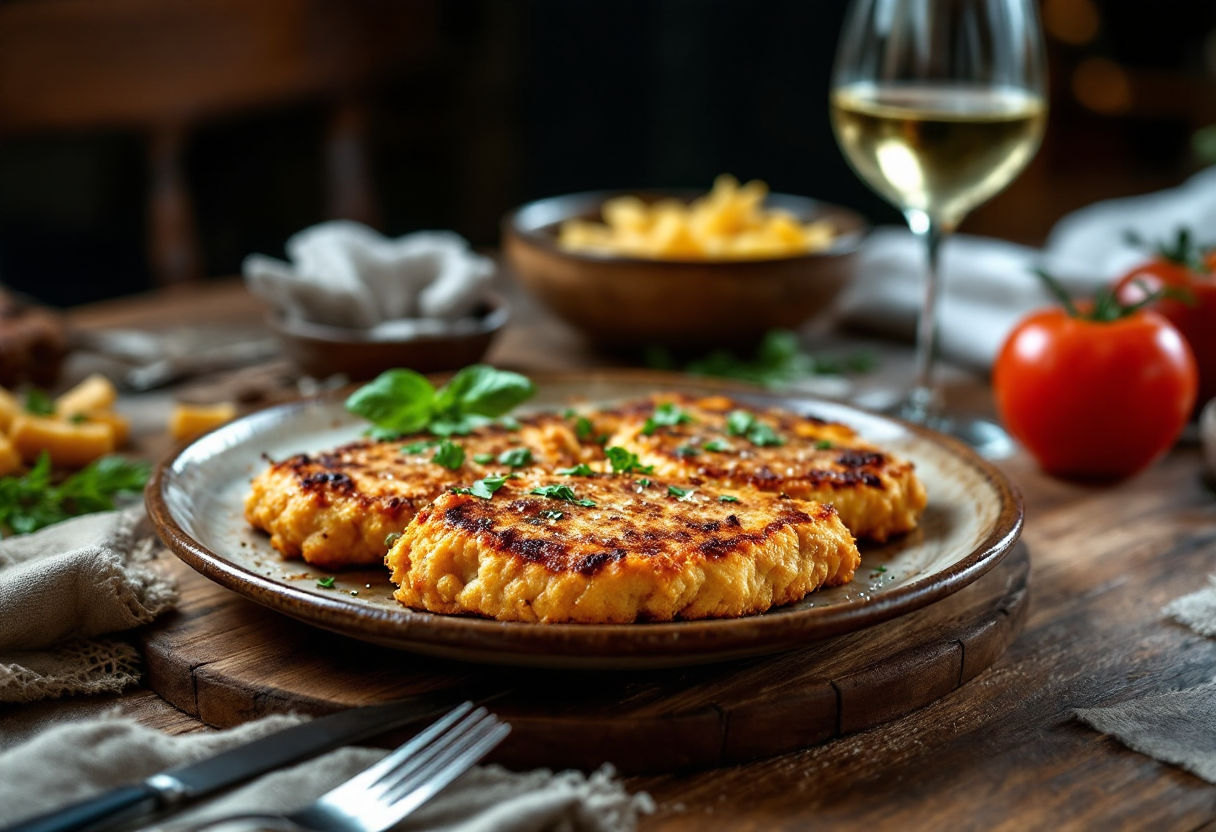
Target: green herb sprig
33,500
402,401
745,424
626,462
779,360
561,492
486,487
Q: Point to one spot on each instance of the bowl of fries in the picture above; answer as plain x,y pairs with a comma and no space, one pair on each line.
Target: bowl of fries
686,269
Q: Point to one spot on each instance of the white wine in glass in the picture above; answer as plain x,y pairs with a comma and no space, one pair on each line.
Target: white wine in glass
938,105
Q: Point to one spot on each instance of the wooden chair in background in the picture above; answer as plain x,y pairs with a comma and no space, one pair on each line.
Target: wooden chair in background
164,66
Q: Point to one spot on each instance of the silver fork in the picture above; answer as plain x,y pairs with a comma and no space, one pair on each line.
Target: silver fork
381,796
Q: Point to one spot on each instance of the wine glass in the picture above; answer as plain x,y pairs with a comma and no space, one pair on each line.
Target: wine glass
938,105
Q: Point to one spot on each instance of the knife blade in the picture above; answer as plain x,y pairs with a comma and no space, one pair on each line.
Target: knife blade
184,784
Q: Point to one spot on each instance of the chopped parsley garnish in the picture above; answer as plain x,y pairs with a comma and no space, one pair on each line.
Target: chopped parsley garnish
449,455
419,447
326,582
642,483
580,470
485,488
78,418
687,451
726,498
745,424
717,446
515,457
562,492
550,514
32,501
824,445
568,413
483,459
680,493
626,462
392,538
666,415
878,570
778,361
39,402
583,428
403,401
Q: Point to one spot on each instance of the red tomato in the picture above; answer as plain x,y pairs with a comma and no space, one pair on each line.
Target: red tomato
1095,399
1196,320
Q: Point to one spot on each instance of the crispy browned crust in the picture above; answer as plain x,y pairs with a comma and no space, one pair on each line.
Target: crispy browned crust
876,493
335,509
638,553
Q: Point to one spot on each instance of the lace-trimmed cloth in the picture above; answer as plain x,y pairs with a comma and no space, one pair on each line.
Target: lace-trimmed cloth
61,588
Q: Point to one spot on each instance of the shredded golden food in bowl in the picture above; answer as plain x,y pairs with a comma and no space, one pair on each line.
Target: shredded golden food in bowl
728,223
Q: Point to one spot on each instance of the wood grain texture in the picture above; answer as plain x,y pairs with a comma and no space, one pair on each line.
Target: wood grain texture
226,660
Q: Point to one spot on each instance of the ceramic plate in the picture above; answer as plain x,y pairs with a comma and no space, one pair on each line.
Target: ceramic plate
195,499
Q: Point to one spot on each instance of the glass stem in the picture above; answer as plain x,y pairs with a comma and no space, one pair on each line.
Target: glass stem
923,402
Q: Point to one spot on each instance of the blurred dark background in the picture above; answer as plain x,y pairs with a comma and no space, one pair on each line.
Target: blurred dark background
147,141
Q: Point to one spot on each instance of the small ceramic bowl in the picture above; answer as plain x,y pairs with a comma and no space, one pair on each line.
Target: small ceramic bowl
322,351
629,301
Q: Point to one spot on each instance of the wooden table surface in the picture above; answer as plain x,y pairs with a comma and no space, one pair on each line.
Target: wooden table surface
1002,752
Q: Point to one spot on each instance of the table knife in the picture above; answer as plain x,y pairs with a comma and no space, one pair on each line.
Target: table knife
185,784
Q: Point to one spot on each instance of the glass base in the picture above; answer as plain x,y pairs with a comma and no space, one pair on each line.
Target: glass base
986,437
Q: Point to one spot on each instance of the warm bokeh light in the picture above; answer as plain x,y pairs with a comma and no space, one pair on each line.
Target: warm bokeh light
1075,22
1101,85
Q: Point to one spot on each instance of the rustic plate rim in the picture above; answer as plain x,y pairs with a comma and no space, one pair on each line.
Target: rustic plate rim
413,630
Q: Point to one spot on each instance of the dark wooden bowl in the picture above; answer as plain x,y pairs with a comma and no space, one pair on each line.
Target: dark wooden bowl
322,351
629,301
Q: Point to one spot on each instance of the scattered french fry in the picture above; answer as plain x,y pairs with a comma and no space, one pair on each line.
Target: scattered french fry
70,445
189,421
10,460
93,394
119,424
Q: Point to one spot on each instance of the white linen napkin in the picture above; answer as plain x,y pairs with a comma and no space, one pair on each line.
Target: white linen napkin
345,274
63,586
988,285
69,762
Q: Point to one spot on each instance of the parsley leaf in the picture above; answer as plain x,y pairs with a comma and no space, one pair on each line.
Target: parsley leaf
485,488
449,455
392,538
717,446
625,462
580,470
726,498
666,415
739,422
403,401
761,435
419,447
824,445
483,459
680,493
643,482
745,424
561,492
687,451
326,583
516,457
38,402
778,361
32,501
583,428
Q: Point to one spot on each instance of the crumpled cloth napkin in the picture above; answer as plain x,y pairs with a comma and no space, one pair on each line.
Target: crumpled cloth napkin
988,285
1179,726
63,586
345,274
72,761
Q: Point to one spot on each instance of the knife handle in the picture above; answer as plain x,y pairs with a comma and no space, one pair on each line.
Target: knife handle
112,805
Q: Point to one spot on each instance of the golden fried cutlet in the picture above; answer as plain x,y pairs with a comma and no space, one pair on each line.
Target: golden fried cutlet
875,493
335,509
617,549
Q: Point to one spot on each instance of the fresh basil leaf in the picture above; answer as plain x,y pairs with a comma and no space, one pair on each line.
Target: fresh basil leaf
624,461
39,402
383,434
483,390
580,470
516,457
397,400
449,455
509,423
561,492
459,425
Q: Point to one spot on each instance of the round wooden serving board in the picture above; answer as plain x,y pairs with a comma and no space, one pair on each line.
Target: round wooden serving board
226,660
